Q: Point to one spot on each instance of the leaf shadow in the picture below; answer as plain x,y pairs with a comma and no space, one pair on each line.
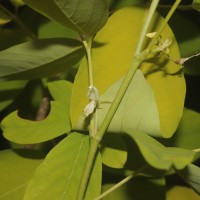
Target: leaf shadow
156,64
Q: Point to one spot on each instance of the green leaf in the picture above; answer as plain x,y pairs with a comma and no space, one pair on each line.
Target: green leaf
181,192
139,105
17,3
25,131
138,189
115,5
8,91
158,156
39,58
52,29
63,168
196,4
112,59
16,169
4,18
60,90
85,16
11,37
187,135
113,151
191,175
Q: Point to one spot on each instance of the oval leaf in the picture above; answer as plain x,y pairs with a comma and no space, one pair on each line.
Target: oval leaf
85,16
187,135
63,168
159,156
39,58
112,59
181,192
138,103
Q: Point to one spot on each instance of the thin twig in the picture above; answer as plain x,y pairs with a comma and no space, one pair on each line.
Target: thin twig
122,182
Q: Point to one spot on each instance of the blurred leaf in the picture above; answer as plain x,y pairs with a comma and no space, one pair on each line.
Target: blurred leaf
86,16
57,123
115,5
16,169
11,37
8,91
63,168
139,105
113,151
187,135
17,3
112,59
51,29
4,18
39,58
196,4
182,193
191,175
158,156
138,189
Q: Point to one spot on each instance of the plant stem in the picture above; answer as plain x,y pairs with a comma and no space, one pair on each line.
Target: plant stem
88,168
95,139
88,45
122,90
150,14
170,13
18,22
94,142
122,182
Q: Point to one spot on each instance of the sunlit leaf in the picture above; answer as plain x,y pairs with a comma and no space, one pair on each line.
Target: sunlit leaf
63,168
181,192
196,4
39,58
112,59
159,156
137,110
187,135
138,189
25,131
60,90
191,175
16,169
86,16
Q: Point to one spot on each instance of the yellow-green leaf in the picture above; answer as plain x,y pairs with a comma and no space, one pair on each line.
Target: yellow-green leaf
59,176
16,170
112,58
